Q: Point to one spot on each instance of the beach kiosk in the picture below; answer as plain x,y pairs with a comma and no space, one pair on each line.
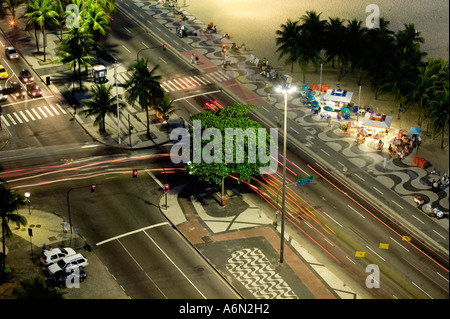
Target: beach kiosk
377,123
336,99
99,73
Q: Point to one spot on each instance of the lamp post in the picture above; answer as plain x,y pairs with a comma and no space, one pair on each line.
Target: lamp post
359,103
117,101
27,195
286,88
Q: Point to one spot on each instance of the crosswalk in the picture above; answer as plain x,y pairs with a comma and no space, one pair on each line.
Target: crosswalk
188,82
32,114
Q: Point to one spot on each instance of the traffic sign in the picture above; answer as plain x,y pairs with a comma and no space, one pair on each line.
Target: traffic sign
304,180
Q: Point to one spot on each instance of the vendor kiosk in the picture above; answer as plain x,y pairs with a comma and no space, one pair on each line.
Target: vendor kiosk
99,73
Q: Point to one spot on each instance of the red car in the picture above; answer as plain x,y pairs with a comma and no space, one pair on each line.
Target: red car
34,90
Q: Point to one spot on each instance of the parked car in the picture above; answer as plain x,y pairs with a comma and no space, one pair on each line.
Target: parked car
25,76
60,278
11,53
68,263
3,72
34,90
2,96
19,91
51,256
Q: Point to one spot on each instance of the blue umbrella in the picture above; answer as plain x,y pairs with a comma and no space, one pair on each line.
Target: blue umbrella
315,103
305,87
414,130
345,110
328,108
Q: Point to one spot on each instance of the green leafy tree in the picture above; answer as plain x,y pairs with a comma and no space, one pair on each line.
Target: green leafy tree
41,13
439,113
12,5
9,203
101,104
165,109
144,87
216,170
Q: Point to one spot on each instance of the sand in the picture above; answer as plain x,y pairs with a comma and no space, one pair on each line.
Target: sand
254,22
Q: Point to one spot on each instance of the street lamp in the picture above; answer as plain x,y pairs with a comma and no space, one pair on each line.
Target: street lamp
117,100
27,195
286,88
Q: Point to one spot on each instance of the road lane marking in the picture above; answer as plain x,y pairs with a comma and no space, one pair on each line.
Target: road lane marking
11,119
397,204
54,109
439,234
131,233
399,244
24,117
30,115
47,109
4,120
325,152
126,48
36,113
61,108
332,219
377,190
375,253
42,111
18,117
356,211
359,177
173,263
417,218
421,289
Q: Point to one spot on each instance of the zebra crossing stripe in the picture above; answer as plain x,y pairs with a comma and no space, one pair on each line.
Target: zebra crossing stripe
11,119
179,83
163,85
224,75
30,115
4,120
42,111
61,108
54,109
185,82
191,80
49,112
24,117
18,117
36,113
202,80
171,85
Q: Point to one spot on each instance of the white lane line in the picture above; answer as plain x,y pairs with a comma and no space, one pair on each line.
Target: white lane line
30,115
181,272
11,119
47,109
350,260
61,108
340,163
24,117
325,152
377,190
126,48
421,289
360,177
417,218
155,179
128,30
356,211
162,60
332,219
145,45
439,234
129,254
130,233
375,253
442,276
180,83
294,130
42,111
4,120
397,204
36,113
399,244
18,117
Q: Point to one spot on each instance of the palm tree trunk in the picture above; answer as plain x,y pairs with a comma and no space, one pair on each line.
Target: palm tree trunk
442,137
148,121
79,74
37,40
3,256
44,40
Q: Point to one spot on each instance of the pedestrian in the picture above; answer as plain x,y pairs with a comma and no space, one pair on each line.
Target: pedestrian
64,226
419,140
43,248
434,172
329,120
192,57
196,60
74,109
434,186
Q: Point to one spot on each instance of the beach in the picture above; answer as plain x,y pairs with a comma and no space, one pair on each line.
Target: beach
254,22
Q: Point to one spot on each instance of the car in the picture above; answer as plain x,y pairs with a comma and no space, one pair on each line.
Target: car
34,90
50,256
69,279
25,76
19,91
3,72
68,263
11,53
2,96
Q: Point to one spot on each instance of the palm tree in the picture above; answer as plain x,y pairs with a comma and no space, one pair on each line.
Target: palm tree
41,13
97,23
165,109
101,104
316,27
37,289
12,6
287,41
334,42
60,9
439,113
144,87
305,53
75,49
9,203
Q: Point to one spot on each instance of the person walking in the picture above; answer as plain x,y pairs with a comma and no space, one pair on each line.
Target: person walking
64,226
192,57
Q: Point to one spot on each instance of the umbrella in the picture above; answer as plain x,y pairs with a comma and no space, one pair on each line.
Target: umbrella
362,131
305,87
315,103
400,130
328,108
183,27
377,136
345,110
314,107
414,130
311,98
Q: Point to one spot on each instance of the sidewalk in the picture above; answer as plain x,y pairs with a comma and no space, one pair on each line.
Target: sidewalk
213,231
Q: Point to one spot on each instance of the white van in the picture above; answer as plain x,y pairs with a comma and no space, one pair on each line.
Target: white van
68,263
